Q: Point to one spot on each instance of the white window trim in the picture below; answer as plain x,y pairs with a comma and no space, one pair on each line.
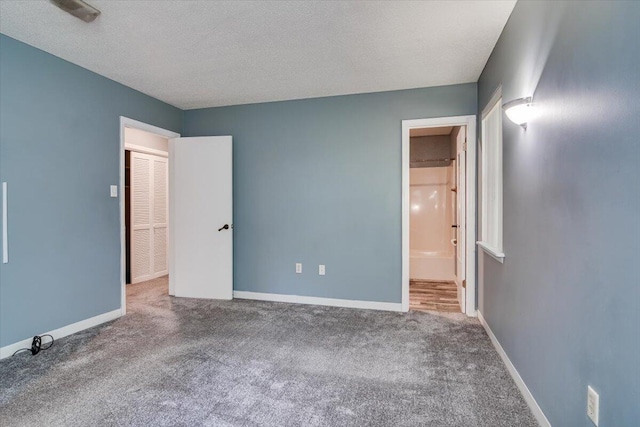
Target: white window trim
495,252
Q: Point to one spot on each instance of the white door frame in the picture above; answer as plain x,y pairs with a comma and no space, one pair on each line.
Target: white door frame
470,123
126,122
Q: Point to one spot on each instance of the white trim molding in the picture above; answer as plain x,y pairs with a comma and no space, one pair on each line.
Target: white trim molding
62,332
126,122
333,302
497,255
471,214
524,390
145,150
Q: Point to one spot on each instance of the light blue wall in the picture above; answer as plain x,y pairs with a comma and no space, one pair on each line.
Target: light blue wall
59,148
318,181
565,305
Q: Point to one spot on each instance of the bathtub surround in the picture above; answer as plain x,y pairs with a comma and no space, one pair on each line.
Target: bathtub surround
564,305
432,255
318,181
59,154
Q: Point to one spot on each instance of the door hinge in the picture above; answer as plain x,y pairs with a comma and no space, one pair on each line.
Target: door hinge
464,284
464,146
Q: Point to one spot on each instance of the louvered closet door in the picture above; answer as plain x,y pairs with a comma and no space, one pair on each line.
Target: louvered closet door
148,217
160,213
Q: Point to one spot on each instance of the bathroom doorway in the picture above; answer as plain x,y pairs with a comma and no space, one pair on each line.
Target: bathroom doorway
437,226
433,224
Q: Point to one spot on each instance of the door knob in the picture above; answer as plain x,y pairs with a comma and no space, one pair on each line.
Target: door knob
225,227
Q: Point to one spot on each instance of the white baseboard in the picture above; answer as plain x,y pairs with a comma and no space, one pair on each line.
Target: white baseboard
8,350
334,302
528,397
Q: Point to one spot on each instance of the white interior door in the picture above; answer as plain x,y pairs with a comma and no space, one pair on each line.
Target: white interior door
201,212
149,212
461,220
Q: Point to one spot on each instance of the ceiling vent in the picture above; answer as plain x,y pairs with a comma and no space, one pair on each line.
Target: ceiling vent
78,8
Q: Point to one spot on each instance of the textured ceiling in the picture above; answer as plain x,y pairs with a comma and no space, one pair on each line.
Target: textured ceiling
195,54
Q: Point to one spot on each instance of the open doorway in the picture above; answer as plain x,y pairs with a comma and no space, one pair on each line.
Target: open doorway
434,274
439,215
144,205
146,208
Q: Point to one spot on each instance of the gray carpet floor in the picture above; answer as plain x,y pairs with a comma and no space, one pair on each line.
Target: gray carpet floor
173,361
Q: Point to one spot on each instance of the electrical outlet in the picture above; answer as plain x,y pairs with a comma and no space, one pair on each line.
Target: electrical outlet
593,405
114,190
321,269
298,268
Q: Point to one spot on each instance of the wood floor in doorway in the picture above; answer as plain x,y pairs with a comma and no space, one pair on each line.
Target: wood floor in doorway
433,295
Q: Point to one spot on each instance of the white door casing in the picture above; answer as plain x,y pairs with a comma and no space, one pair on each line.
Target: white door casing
461,220
470,182
200,205
126,122
149,210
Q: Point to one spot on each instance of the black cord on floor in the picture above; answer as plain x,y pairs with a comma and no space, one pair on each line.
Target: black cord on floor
36,345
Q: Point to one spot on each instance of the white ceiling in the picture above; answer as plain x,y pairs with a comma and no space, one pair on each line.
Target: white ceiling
195,54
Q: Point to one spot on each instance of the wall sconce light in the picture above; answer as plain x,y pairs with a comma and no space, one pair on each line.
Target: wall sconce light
519,110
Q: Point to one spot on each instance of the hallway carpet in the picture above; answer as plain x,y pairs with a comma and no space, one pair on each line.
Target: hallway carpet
178,362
